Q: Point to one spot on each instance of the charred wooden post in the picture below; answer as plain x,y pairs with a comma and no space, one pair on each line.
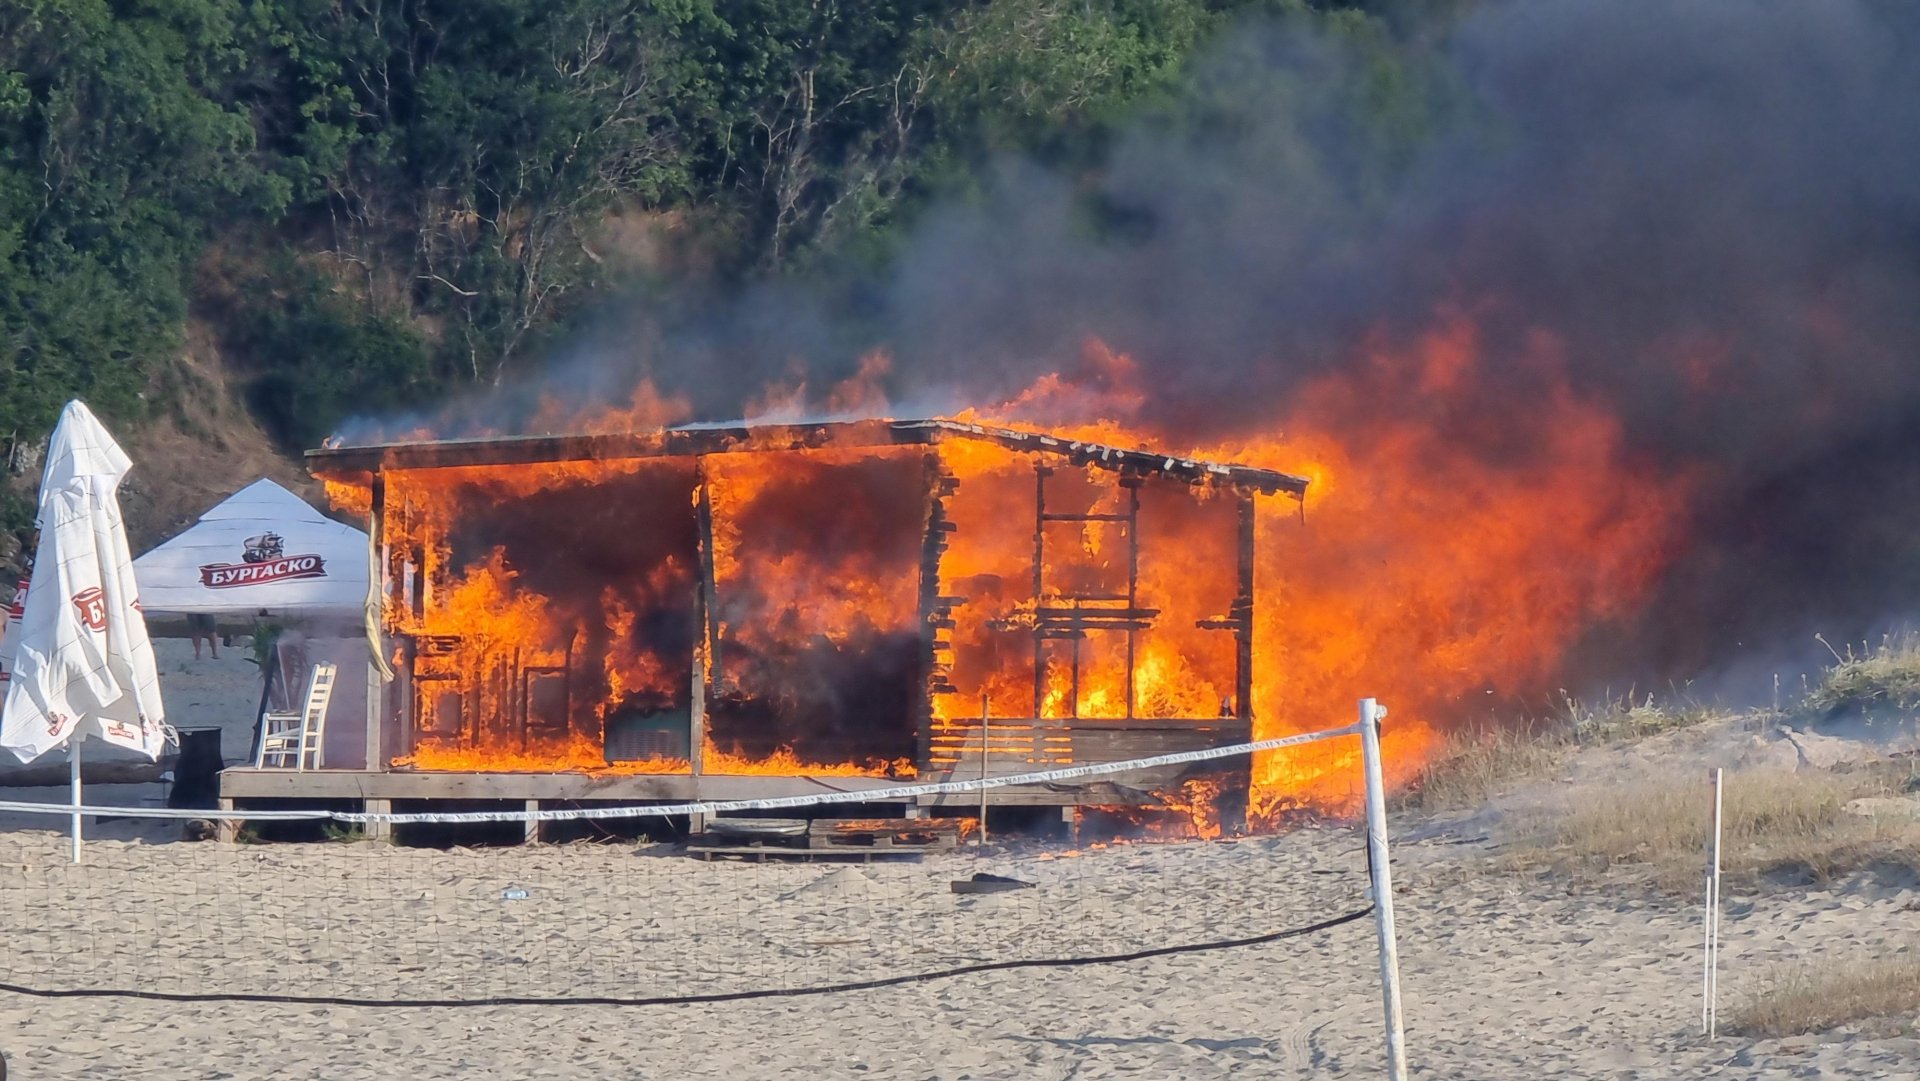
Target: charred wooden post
403,682
1132,485
935,610
407,560
404,709
416,584
1073,685
520,719
506,722
1242,615
1040,474
706,646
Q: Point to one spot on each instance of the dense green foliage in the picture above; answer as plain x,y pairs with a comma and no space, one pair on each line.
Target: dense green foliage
115,154
370,200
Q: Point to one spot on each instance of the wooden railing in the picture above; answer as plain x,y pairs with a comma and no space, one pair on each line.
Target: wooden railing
1023,744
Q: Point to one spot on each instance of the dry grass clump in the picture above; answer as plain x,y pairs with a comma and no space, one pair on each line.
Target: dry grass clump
1632,717
1826,994
1476,765
1884,675
1775,823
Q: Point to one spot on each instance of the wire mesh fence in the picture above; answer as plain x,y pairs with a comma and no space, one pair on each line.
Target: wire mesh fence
352,921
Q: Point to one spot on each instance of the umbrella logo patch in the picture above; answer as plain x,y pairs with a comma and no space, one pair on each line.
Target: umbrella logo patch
263,559
91,604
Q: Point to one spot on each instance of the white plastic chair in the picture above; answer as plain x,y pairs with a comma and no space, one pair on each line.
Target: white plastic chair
293,740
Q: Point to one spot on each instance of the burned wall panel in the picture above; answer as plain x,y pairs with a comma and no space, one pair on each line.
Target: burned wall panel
551,608
810,598
1108,612
816,604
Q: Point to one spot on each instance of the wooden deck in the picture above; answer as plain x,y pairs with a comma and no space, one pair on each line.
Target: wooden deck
247,785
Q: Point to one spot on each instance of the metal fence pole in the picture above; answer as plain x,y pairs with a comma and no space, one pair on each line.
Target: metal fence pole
1710,980
1370,714
73,786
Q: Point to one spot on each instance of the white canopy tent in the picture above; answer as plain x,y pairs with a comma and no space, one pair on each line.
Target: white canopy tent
263,550
266,554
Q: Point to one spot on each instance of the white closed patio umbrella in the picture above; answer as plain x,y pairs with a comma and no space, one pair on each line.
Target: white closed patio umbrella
79,664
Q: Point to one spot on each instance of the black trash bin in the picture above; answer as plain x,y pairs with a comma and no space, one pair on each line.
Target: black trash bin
196,776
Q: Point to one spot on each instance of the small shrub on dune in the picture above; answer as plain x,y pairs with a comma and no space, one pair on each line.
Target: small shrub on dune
1878,677
1774,824
1475,765
1823,995
1632,716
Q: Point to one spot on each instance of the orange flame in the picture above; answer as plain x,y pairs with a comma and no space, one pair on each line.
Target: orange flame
1437,565
1449,552
1433,573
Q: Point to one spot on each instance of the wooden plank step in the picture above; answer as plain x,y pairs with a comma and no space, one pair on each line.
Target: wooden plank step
758,828
923,833
876,836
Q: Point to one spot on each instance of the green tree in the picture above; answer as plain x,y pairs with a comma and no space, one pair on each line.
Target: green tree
406,193
1041,75
456,148
116,150
322,356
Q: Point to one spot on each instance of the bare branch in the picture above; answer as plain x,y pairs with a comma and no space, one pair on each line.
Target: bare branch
448,284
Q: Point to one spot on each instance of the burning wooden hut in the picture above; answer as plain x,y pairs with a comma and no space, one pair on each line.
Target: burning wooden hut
718,612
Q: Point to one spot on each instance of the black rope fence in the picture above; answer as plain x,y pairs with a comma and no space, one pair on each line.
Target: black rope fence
697,999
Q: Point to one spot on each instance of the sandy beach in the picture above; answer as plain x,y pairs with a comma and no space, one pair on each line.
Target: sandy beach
1507,975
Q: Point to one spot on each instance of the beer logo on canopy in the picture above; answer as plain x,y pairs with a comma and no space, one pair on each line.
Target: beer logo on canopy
264,559
91,605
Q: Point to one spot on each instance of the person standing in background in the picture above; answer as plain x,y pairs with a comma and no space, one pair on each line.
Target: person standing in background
201,625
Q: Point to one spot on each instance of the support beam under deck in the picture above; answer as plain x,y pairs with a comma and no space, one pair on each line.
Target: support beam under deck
253,787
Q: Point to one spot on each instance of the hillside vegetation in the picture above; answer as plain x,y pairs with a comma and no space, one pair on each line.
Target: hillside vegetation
353,206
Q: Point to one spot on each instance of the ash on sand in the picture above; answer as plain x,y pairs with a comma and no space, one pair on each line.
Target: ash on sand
835,883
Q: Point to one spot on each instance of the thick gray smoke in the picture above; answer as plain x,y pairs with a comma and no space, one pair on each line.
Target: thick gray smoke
1713,205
